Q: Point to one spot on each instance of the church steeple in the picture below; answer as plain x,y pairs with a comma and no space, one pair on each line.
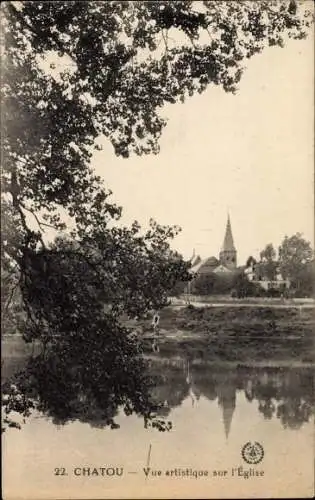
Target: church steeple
228,243
226,391
228,406
228,251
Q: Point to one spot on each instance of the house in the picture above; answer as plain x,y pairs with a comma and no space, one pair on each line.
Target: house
256,273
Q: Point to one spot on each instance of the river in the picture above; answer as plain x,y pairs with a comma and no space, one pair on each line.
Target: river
214,410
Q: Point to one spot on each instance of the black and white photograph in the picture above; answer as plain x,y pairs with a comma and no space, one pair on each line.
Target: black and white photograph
157,249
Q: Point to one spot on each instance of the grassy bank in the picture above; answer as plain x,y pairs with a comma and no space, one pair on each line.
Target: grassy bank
261,336
236,334
226,299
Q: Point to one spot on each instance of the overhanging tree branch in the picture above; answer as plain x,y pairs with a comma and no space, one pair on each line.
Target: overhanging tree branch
17,204
39,222
12,291
59,45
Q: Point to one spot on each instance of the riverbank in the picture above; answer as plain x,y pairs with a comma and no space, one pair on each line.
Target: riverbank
267,364
234,336
219,300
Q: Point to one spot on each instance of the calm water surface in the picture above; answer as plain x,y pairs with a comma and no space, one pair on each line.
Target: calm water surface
214,412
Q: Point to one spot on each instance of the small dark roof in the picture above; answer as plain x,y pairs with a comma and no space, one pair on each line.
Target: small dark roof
205,266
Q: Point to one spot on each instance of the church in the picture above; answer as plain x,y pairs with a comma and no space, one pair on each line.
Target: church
227,261
218,276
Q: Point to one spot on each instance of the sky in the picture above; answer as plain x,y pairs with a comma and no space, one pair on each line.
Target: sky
249,154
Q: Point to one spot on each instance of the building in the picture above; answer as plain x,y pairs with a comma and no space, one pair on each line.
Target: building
256,274
227,261
228,254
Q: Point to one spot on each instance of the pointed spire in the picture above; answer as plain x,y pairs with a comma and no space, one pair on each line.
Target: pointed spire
228,243
227,401
227,419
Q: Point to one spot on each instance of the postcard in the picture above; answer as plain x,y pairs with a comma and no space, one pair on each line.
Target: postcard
157,249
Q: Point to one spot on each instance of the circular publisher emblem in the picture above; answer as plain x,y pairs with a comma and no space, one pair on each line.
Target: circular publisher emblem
253,453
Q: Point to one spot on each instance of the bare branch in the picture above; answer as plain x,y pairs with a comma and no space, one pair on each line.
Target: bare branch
17,204
10,273
165,38
39,222
192,42
207,30
8,302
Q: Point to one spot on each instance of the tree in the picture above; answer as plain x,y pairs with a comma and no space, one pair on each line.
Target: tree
12,317
214,283
114,67
306,280
268,265
251,261
204,284
295,258
242,287
224,283
75,293
268,254
178,289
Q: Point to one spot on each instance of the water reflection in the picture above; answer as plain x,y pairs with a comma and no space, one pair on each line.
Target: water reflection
286,394
215,410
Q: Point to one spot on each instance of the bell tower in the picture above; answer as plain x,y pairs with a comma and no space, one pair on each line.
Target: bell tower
228,254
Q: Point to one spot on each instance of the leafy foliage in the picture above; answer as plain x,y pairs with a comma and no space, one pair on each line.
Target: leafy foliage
242,287
208,284
296,259
120,274
113,68
295,263
294,252
89,376
268,264
204,284
90,366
